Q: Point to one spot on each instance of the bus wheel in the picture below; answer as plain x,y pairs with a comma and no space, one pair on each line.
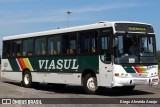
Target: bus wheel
90,84
27,79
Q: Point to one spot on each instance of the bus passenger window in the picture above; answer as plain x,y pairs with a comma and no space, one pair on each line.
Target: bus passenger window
40,46
88,42
94,44
72,44
16,48
28,47
65,44
6,49
54,45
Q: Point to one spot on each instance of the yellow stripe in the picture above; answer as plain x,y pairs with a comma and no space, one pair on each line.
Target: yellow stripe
143,69
27,64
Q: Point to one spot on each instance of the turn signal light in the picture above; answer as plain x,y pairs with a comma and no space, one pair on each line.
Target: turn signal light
116,74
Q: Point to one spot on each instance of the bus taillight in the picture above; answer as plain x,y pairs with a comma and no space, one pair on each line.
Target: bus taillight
155,80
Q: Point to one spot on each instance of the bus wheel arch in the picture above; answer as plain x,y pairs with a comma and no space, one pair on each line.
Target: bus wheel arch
26,78
89,81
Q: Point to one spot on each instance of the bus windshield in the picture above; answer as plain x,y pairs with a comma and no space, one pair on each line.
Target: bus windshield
134,48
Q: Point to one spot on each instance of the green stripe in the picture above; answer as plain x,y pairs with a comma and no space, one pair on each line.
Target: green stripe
129,69
83,62
14,64
88,62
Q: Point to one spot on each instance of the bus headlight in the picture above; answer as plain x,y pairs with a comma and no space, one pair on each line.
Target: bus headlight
122,75
126,75
155,73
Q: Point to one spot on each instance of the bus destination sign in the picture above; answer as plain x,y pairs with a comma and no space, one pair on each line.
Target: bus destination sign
132,28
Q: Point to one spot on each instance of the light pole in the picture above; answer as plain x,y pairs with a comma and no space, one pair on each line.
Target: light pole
68,13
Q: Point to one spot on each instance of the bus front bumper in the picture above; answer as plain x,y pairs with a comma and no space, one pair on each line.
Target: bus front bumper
119,81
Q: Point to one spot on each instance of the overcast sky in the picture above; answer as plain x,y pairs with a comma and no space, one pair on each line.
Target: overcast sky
26,16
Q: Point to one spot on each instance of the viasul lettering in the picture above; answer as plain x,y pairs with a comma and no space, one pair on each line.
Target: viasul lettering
58,64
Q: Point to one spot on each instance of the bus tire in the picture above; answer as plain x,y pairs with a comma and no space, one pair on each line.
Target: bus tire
90,84
27,79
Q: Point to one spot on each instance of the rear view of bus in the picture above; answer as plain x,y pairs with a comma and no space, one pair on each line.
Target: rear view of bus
134,50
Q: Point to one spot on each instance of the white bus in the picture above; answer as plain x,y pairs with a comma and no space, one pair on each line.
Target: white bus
106,54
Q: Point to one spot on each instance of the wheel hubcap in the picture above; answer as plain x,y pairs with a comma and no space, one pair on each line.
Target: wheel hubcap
92,84
26,79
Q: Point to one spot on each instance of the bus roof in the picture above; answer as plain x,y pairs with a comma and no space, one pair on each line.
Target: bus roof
101,24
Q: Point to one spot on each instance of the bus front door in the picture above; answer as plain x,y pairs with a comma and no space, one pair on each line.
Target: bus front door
105,65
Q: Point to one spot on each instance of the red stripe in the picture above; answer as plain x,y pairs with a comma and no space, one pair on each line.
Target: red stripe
22,64
138,69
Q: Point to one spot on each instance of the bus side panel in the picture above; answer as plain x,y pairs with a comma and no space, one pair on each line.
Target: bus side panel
59,78
15,76
47,69
51,69
90,62
8,72
5,65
